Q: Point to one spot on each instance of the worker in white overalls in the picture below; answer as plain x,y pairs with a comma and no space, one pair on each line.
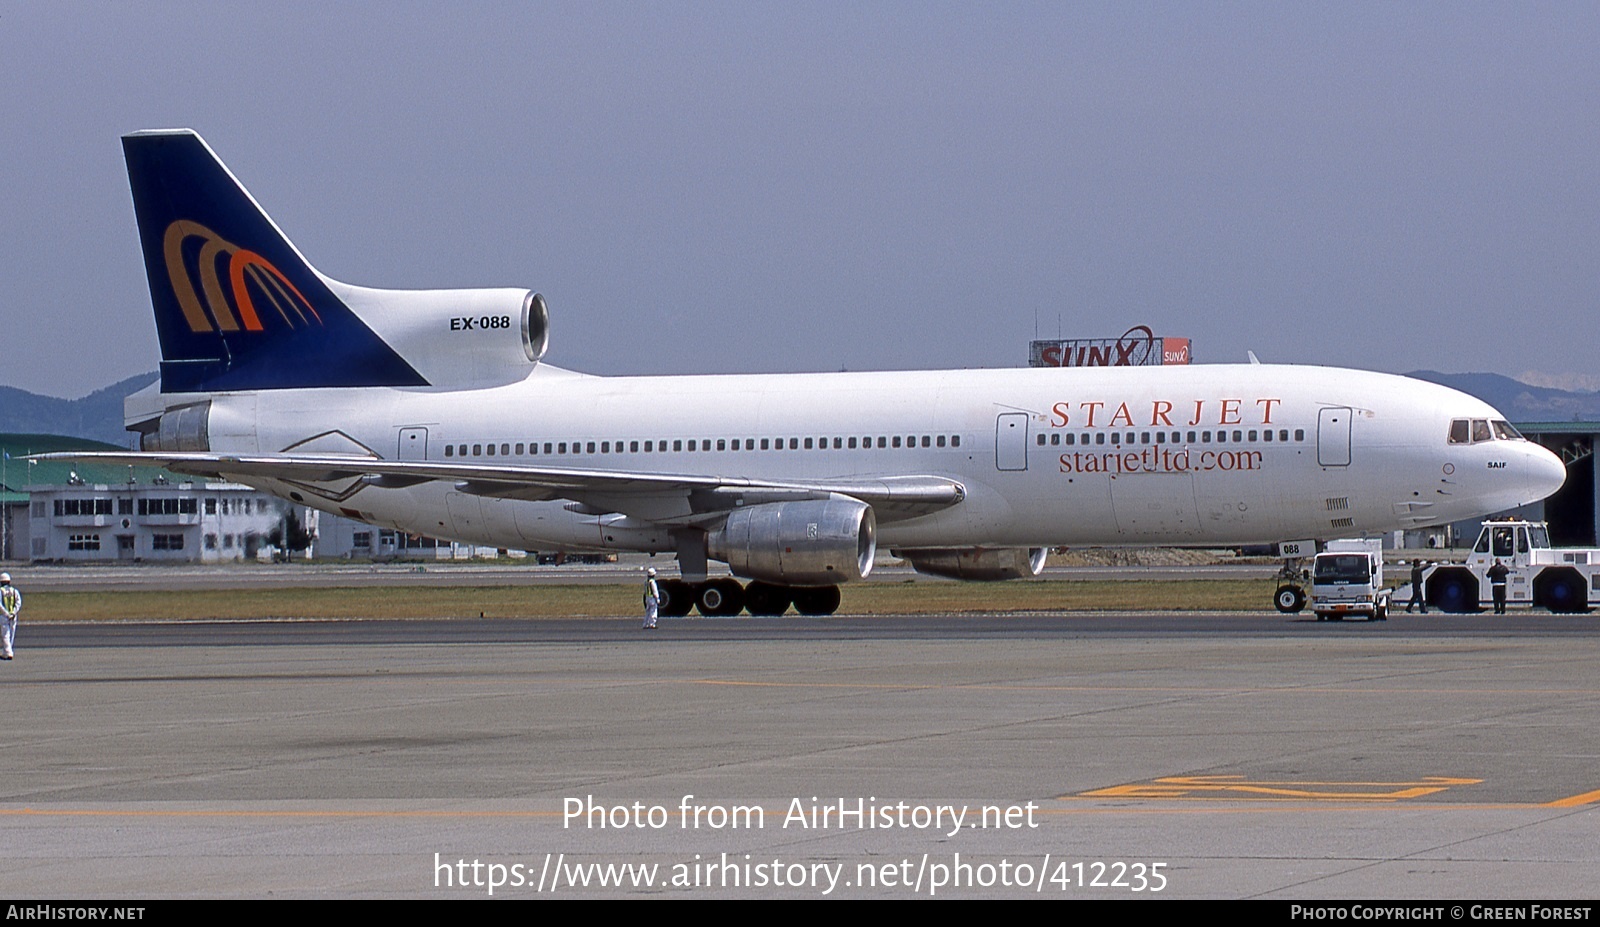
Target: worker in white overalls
652,599
10,604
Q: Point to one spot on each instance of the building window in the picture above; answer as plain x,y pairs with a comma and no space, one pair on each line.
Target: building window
166,542
83,542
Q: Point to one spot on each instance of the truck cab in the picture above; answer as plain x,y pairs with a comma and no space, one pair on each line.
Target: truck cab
1347,579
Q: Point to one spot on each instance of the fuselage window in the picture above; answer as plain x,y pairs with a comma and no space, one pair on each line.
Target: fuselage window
955,440
490,449
1144,437
722,444
1205,437
591,447
1252,434
449,450
519,448
1116,438
477,450
882,441
896,441
749,444
1100,438
1191,437
505,449
852,442
1299,434
838,443
1283,434
1071,438
926,441
547,447
1266,435
1238,437
1041,440
939,441
794,444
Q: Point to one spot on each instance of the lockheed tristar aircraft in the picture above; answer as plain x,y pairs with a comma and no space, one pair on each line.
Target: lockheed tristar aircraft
431,412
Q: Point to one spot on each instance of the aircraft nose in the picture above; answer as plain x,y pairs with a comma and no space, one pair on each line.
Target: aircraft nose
1546,472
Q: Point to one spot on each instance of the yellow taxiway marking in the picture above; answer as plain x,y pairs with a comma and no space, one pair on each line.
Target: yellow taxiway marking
1238,787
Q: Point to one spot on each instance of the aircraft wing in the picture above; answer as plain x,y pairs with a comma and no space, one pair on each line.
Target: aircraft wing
667,498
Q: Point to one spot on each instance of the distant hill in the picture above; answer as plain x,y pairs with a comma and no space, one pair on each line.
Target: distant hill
97,416
1519,401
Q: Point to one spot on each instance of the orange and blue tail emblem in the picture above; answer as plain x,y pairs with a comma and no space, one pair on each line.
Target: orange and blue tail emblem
237,307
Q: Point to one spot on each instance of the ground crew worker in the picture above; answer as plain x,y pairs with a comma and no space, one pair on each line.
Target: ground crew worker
652,599
10,605
1497,585
1417,598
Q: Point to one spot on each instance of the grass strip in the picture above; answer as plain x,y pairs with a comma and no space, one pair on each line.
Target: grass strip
581,601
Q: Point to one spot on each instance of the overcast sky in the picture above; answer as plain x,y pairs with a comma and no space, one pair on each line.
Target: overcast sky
709,187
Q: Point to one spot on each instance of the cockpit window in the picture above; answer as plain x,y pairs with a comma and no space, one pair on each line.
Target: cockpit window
1460,431
1505,432
1480,431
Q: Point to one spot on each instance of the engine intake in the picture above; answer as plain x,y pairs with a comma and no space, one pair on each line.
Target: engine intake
976,563
815,543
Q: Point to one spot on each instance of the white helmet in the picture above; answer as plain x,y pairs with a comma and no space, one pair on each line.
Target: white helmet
649,572
5,577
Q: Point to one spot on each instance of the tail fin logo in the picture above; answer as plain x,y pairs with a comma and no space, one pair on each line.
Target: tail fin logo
229,308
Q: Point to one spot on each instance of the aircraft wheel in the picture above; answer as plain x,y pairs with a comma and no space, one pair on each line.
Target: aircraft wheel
816,600
1289,599
720,598
677,597
766,599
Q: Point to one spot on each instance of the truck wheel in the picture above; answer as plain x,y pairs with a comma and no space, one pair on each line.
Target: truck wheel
1289,599
1453,590
1322,616
1561,590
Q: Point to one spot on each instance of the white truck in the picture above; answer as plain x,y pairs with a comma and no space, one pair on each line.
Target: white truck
1561,579
1347,580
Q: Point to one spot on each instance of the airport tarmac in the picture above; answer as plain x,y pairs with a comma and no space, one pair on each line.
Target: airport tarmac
1078,756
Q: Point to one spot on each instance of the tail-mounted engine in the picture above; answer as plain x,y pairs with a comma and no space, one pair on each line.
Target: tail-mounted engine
458,338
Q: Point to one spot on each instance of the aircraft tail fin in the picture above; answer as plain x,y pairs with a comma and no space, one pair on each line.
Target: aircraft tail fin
237,306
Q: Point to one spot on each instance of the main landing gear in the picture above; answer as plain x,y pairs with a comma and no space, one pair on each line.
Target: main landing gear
724,597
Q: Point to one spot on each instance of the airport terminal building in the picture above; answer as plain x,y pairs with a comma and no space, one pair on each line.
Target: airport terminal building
83,512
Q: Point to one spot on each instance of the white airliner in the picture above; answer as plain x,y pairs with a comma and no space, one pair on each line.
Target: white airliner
431,412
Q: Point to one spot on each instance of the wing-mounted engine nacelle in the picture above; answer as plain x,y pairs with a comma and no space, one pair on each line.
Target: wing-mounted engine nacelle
180,428
458,338
975,563
823,542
